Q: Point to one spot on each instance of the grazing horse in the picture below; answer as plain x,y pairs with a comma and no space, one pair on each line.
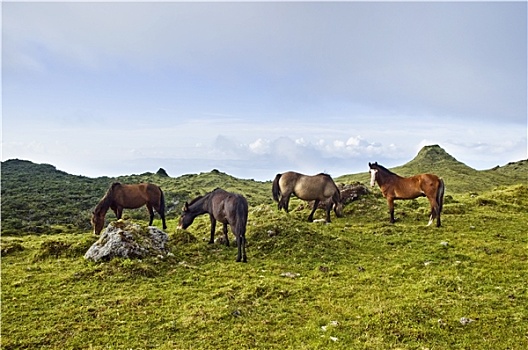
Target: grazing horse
394,187
318,188
119,197
226,207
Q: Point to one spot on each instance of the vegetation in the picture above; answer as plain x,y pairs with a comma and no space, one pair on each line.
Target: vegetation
358,283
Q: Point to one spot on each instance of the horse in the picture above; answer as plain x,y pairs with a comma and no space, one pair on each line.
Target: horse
119,197
394,187
228,208
318,188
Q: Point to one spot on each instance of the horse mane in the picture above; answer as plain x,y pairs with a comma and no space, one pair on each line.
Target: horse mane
381,167
195,200
106,201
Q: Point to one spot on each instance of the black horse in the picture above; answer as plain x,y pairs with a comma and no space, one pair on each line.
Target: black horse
226,207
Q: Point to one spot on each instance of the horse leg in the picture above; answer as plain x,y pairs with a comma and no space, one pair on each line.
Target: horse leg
151,213
213,228
225,235
435,212
285,202
316,204
119,212
329,206
163,220
161,214
241,245
390,202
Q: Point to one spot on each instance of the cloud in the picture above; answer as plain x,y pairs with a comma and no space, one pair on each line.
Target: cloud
457,59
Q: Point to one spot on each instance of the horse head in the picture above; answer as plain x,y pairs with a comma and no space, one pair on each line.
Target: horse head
98,220
373,172
338,209
186,218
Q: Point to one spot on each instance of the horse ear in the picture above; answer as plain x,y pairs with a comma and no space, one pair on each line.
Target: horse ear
370,164
185,207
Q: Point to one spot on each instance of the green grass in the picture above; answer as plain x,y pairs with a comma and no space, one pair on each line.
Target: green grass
358,283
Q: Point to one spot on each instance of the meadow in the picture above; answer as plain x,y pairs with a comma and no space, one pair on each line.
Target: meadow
357,283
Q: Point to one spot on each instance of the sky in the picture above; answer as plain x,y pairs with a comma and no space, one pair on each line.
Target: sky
259,88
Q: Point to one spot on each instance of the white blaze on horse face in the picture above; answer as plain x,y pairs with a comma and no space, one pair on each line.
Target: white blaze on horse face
373,177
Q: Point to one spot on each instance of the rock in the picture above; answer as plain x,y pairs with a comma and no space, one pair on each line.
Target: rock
352,192
128,240
464,321
290,274
349,193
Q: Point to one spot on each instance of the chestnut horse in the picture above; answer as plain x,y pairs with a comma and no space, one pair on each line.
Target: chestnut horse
394,187
119,197
228,208
318,188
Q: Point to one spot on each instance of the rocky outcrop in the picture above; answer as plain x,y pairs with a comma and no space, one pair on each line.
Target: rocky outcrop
352,192
128,240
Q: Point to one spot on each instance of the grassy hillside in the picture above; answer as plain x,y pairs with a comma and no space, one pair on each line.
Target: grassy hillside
38,198
358,283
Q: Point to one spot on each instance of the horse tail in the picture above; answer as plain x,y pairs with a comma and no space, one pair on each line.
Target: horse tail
440,195
161,211
241,213
162,202
275,189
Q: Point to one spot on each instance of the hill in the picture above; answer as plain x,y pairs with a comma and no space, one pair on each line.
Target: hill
38,198
459,177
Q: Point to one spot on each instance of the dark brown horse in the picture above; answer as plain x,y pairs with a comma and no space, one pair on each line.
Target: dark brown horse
228,208
394,187
318,188
119,197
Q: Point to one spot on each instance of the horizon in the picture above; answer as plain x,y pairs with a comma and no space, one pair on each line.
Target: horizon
151,171
256,89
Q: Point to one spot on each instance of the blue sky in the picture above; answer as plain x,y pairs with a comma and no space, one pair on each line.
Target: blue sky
254,89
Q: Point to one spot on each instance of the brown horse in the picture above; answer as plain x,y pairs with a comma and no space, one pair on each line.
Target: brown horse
228,208
119,197
394,187
318,188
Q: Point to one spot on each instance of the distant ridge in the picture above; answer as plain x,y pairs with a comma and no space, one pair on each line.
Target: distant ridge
433,153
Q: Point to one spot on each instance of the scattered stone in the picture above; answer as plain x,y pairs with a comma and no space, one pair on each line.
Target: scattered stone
324,269
271,233
464,321
445,244
237,313
290,274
